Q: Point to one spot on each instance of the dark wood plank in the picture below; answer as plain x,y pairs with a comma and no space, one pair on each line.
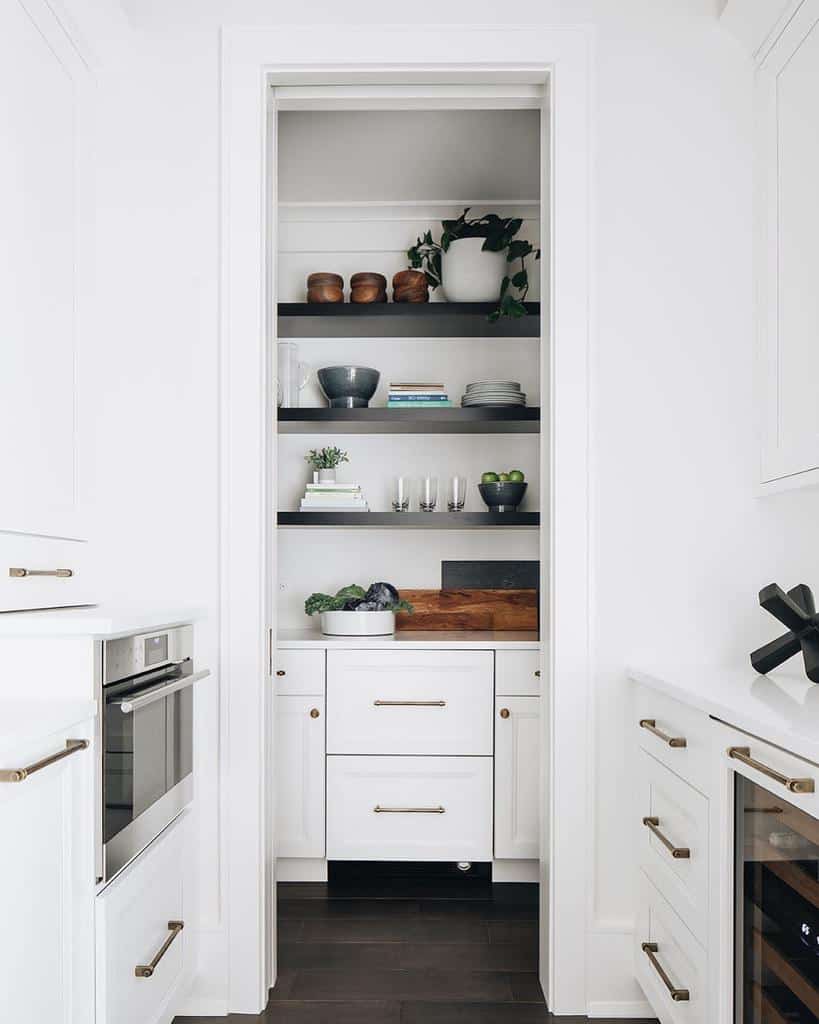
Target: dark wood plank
336,908
465,956
437,984
311,1012
478,1013
513,931
479,910
526,987
407,929
337,955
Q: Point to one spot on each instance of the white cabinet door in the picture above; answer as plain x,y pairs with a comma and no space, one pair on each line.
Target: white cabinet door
788,253
43,255
299,777
47,885
517,777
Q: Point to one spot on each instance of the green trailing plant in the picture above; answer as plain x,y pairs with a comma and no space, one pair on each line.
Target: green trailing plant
326,458
499,236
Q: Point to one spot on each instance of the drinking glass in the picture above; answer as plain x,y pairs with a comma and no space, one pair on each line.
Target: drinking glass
457,493
401,494
293,375
428,495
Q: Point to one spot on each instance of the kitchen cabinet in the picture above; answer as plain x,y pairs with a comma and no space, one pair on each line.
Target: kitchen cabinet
787,257
517,778
44,268
143,948
47,880
300,748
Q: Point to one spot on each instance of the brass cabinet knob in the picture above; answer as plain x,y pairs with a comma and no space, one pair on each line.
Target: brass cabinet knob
504,712
281,672
537,674
314,713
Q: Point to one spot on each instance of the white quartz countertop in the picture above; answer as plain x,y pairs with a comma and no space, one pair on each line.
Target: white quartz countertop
782,707
93,620
22,721
403,639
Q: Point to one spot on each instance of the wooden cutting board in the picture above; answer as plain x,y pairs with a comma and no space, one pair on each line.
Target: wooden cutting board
514,610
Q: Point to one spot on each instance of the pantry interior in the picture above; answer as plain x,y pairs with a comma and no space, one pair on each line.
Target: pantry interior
356,174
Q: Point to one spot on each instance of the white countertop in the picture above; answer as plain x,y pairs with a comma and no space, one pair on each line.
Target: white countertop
24,720
93,620
782,707
429,640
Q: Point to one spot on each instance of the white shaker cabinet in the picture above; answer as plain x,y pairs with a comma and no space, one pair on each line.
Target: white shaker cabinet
787,170
300,750
44,266
517,778
47,880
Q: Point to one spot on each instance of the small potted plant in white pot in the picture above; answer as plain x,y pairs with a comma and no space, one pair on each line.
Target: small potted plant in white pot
354,611
325,461
474,262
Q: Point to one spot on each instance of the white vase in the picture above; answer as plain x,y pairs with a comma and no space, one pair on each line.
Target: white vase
471,274
326,476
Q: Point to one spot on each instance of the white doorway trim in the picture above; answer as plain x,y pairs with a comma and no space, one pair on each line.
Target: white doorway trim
249,57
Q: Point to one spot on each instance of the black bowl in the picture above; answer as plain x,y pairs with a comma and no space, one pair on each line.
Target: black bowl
348,387
503,496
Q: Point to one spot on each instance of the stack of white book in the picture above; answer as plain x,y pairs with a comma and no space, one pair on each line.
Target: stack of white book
333,498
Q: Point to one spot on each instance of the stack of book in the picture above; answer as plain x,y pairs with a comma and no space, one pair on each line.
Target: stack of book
418,395
333,498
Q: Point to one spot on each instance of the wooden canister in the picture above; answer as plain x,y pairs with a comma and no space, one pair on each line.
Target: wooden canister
410,286
323,287
368,287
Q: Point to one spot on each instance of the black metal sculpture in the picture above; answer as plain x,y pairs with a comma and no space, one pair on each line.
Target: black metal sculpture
797,611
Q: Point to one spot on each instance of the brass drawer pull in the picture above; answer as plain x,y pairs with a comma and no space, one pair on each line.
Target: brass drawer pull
314,712
147,970
280,672
409,703
673,741
408,810
678,852
679,995
504,712
20,574
21,774
743,754
537,674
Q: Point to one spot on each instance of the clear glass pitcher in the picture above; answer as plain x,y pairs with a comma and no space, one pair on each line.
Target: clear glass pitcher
292,376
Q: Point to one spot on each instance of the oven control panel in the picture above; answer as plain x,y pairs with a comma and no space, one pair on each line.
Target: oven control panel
129,655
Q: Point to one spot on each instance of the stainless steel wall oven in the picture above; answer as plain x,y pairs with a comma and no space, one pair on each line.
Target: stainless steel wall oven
147,740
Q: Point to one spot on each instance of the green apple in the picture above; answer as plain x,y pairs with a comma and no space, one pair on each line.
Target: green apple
504,478
489,478
516,475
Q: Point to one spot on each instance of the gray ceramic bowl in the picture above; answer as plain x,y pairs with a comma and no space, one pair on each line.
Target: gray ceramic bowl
348,387
503,496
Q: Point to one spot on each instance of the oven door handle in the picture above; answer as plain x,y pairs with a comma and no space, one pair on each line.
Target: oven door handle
128,706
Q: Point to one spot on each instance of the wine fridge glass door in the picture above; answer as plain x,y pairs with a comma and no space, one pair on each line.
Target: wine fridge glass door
776,905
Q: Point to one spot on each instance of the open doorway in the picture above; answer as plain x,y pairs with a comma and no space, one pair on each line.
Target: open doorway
410,768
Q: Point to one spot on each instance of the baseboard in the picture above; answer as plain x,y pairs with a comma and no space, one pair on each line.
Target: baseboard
515,871
301,869
634,1010
203,1006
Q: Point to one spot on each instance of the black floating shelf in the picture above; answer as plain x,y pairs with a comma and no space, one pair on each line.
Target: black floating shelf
413,520
410,421
402,320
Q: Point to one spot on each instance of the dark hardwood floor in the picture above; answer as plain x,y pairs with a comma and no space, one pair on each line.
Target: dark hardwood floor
359,959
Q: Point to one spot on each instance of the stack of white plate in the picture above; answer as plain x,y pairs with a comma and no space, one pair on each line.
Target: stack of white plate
493,393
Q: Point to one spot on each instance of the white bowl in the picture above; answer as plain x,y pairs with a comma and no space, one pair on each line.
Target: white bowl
358,623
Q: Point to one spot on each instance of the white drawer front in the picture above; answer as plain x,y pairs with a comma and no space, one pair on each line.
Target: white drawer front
44,554
409,703
677,953
679,736
680,814
300,673
409,808
796,777
517,673
133,915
